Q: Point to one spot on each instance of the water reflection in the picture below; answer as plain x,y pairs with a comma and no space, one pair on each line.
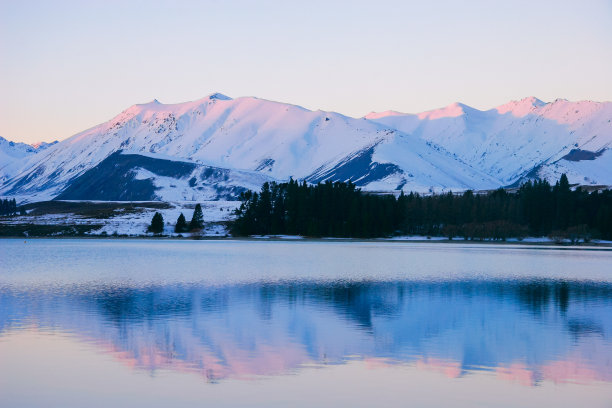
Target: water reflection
522,330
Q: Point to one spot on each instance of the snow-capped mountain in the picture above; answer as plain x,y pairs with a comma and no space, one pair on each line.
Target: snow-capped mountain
521,139
216,147
185,151
13,154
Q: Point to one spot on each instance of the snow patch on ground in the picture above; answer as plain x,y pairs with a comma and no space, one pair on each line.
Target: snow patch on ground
215,212
136,223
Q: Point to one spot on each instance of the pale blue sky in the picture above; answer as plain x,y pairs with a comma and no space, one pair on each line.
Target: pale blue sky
68,65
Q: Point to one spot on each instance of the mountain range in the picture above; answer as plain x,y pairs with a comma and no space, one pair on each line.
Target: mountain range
12,155
216,147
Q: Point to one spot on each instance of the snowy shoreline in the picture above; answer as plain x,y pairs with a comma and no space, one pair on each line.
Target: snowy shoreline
121,220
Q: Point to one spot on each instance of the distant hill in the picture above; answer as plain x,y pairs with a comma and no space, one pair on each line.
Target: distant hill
12,156
521,139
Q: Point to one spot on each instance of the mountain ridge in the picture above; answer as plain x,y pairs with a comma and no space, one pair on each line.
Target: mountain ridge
456,147
513,139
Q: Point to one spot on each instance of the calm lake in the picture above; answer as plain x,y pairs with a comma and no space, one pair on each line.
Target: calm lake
98,323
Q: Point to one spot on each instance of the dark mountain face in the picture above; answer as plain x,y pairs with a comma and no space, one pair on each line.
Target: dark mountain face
358,167
117,178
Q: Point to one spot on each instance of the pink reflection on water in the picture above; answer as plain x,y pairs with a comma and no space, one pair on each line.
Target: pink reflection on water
450,369
236,363
274,360
517,372
574,371
571,370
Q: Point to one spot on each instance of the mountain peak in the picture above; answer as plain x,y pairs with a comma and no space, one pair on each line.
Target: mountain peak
152,103
533,100
378,115
522,107
451,111
219,96
43,145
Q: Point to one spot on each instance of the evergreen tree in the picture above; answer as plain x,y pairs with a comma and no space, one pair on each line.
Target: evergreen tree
181,224
157,224
197,220
564,203
8,207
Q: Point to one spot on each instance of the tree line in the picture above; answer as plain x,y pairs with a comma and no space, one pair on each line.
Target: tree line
536,208
9,208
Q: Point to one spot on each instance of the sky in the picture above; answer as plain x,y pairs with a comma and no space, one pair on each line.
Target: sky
66,66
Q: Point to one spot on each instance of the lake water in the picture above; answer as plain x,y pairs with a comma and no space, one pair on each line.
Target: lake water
242,323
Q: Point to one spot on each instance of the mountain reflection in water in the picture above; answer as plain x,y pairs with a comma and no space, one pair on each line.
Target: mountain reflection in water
523,330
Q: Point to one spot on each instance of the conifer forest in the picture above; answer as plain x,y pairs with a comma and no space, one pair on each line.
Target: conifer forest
339,209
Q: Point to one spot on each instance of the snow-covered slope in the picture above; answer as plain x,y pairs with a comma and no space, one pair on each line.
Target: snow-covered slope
216,147
256,137
526,138
12,156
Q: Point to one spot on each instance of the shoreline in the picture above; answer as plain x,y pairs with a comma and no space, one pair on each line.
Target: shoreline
415,240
